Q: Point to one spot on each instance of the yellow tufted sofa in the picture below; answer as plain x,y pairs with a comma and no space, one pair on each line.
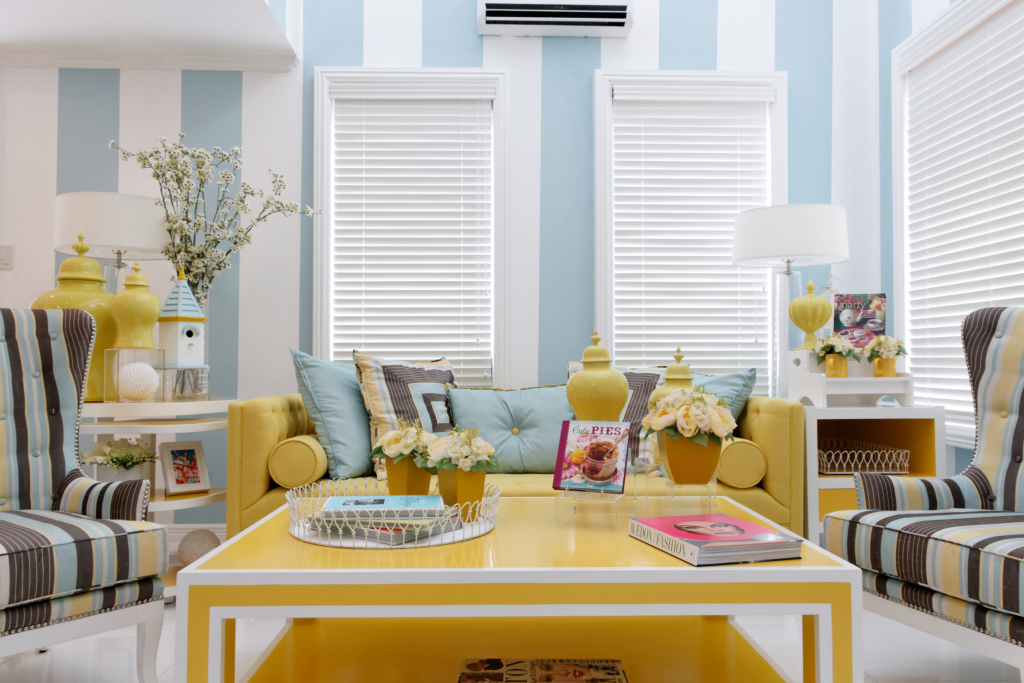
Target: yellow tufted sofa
257,426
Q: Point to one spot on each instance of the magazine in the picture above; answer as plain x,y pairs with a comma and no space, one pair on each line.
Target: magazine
592,457
383,507
715,539
542,671
859,318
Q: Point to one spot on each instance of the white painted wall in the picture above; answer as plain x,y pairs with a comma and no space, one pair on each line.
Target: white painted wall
922,12
640,50
746,35
393,33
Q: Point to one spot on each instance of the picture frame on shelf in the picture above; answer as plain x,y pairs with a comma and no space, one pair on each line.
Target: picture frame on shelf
184,467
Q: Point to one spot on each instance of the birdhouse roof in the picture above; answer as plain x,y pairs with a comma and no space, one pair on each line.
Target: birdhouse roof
181,304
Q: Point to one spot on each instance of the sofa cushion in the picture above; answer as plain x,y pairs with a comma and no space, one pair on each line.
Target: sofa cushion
56,610
523,425
972,615
298,461
45,554
394,389
973,555
743,464
334,404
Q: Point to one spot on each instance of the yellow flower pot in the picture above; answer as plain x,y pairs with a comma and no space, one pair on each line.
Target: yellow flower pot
405,479
688,463
884,367
598,392
835,365
463,489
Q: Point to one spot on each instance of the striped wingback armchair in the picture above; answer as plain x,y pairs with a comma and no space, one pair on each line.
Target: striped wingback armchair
954,547
70,547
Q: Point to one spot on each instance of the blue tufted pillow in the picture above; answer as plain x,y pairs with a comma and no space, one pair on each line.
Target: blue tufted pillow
536,413
330,394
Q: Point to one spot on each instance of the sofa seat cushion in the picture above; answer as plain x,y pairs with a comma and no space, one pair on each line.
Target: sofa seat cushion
45,554
974,555
969,614
56,610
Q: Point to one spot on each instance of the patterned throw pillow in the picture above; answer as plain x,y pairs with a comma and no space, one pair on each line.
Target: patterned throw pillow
394,389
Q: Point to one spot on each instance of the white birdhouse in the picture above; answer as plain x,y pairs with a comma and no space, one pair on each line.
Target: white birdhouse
183,328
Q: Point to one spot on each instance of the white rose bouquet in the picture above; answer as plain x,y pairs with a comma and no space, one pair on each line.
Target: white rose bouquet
410,440
461,449
692,413
835,344
885,347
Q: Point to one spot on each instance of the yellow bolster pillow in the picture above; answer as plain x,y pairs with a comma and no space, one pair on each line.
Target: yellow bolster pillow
298,461
743,464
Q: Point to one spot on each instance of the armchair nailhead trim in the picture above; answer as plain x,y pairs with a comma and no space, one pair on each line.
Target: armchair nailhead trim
945,618
79,616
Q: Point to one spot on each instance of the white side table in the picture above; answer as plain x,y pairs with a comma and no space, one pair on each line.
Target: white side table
148,422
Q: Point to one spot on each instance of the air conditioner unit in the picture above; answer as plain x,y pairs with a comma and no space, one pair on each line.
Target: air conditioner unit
566,18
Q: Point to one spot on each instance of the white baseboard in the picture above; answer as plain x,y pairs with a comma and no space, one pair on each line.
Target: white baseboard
176,532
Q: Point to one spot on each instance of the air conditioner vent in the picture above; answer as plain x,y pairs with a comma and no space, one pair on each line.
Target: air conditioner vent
554,19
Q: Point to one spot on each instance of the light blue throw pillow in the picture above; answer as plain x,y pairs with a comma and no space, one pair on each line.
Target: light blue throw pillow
735,387
537,414
330,393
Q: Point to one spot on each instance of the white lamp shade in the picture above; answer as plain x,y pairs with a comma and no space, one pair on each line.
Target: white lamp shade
805,234
111,222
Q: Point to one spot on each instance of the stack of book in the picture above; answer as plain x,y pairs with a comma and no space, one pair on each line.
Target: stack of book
541,670
715,539
387,520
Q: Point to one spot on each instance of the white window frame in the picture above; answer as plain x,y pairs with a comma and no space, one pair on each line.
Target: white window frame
694,85
412,83
954,22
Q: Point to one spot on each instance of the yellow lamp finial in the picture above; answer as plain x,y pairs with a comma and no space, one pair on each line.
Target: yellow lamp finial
181,273
80,246
595,339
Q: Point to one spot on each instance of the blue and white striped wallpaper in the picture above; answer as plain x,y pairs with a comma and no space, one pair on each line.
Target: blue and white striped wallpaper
263,304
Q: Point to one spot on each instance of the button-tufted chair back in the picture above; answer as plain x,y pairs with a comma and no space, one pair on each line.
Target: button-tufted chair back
993,340
44,360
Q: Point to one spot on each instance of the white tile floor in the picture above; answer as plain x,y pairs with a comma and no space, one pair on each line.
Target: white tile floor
899,654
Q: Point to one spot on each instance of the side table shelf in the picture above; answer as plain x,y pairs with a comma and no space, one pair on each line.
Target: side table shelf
920,430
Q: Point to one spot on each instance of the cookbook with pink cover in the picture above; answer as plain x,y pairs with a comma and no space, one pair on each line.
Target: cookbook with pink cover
714,539
592,457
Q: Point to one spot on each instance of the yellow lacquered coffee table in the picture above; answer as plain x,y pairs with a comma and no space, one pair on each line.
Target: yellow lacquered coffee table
528,589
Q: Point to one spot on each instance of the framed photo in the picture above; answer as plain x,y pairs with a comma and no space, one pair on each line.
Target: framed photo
184,467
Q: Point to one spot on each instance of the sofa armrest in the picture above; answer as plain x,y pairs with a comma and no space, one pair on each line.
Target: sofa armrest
969,489
126,500
777,426
255,427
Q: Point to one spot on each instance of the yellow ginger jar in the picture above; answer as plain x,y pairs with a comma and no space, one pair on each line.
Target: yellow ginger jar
80,285
677,376
809,313
136,310
598,392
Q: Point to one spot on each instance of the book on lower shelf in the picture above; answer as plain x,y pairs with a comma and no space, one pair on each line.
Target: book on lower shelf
542,671
703,540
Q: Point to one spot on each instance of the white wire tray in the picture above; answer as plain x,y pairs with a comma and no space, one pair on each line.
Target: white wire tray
423,527
846,456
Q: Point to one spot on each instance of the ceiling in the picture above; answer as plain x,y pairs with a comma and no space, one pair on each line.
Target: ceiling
239,35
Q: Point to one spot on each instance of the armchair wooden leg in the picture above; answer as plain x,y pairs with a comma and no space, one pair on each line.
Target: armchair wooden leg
147,641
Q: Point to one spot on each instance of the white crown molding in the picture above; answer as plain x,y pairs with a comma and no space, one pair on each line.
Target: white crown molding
952,23
145,60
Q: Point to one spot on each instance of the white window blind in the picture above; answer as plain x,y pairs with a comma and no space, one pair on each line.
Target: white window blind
965,202
682,170
412,252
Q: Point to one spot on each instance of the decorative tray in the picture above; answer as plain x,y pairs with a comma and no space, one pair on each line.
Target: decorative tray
384,529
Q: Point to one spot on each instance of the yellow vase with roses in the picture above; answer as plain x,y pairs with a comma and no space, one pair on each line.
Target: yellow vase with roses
690,425
399,449
461,460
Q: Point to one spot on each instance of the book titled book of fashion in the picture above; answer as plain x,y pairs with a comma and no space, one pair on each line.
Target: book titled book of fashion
542,671
715,539
592,457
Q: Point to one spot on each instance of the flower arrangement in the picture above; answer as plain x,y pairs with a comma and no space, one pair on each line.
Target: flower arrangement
410,440
461,449
122,454
206,230
835,344
692,413
885,347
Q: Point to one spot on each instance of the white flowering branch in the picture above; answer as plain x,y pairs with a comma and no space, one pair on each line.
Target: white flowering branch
202,241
